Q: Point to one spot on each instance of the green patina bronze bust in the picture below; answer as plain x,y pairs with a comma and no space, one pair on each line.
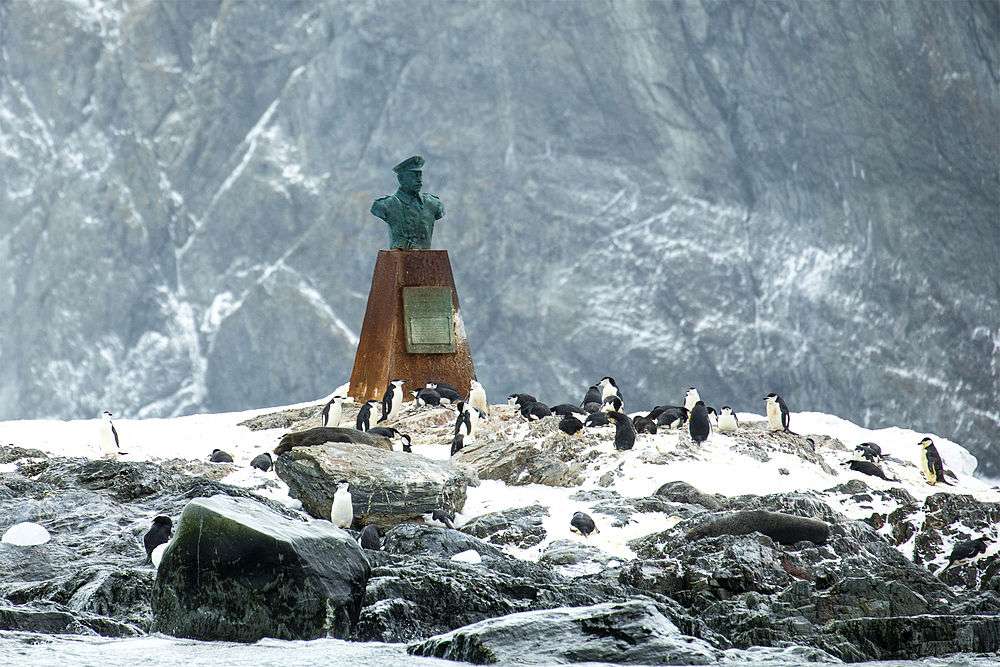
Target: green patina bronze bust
409,214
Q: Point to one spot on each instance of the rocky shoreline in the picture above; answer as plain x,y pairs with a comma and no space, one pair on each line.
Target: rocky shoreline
786,576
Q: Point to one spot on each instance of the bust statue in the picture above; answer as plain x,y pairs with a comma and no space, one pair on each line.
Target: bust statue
409,214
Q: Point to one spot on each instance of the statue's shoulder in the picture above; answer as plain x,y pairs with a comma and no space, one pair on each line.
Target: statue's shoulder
434,203
382,205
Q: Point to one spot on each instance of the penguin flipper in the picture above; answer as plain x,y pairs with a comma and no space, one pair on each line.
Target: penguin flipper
115,433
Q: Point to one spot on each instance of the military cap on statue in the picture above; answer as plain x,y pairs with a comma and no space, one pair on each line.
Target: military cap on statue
415,163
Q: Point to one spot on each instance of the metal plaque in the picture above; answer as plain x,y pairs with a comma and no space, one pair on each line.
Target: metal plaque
429,318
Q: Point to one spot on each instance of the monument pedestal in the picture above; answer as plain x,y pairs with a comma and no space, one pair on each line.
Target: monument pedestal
409,333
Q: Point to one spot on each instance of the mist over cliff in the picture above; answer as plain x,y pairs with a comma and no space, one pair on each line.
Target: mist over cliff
743,196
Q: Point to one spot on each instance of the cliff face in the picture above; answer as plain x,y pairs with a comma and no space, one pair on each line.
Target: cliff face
742,196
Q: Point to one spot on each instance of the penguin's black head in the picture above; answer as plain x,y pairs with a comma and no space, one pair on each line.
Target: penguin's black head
770,396
216,451
163,521
699,403
726,407
610,380
711,410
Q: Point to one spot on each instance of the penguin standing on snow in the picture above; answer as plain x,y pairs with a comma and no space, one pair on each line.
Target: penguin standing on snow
778,416
624,431
869,451
364,418
582,523
110,447
535,411
158,533
406,442
333,411
392,401
728,423
467,421
713,416
592,400
698,425
262,462
690,398
672,416
477,398
967,551
931,463
342,509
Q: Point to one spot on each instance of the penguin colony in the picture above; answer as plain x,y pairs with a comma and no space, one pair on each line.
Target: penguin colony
602,406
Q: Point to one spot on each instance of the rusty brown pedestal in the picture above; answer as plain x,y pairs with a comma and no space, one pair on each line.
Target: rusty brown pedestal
382,354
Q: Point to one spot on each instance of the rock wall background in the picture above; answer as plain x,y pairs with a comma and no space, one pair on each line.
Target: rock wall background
744,196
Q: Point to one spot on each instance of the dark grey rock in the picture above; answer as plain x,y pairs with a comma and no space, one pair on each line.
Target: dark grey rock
682,492
520,527
53,619
632,632
387,487
235,570
495,456
417,539
909,637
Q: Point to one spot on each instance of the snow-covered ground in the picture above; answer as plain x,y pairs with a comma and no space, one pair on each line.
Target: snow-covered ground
718,468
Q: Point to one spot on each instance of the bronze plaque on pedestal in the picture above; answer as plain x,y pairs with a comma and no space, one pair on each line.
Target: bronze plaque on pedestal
429,318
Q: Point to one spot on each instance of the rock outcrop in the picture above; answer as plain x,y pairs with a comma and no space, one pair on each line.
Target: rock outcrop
520,527
236,571
387,487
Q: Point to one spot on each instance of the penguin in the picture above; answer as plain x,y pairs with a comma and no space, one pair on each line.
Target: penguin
728,423
778,417
624,431
426,396
644,425
690,398
612,404
110,446
435,384
342,509
262,462
967,551
673,417
655,413
592,399
392,401
609,388
333,411
447,393
713,416
869,451
566,409
364,418
535,411
384,431
570,425
583,524
442,517
520,400
931,463
158,533
698,425
219,456
370,538
869,468
467,421
477,398
597,419
457,443
407,443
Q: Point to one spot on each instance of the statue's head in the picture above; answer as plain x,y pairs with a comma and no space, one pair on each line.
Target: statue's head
409,174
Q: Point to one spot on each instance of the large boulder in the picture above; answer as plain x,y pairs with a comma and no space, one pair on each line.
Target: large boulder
909,637
414,597
237,571
387,487
519,462
414,538
520,527
630,632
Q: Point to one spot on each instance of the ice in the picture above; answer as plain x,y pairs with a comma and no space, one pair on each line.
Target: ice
26,534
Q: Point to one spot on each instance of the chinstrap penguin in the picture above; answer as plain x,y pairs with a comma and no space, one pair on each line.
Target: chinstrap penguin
583,524
570,425
370,538
690,398
713,416
262,462
699,425
672,417
612,404
446,392
333,411
624,430
110,446
442,517
644,425
219,456
477,398
392,401
609,388
596,419
869,451
535,411
778,416
592,399
520,400
566,409
364,418
457,443
728,423
342,509
931,463
159,533
426,396
967,551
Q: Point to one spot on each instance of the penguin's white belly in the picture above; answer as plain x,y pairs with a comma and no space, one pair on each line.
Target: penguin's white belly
342,511
692,398
774,417
334,416
727,424
108,448
477,399
928,473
